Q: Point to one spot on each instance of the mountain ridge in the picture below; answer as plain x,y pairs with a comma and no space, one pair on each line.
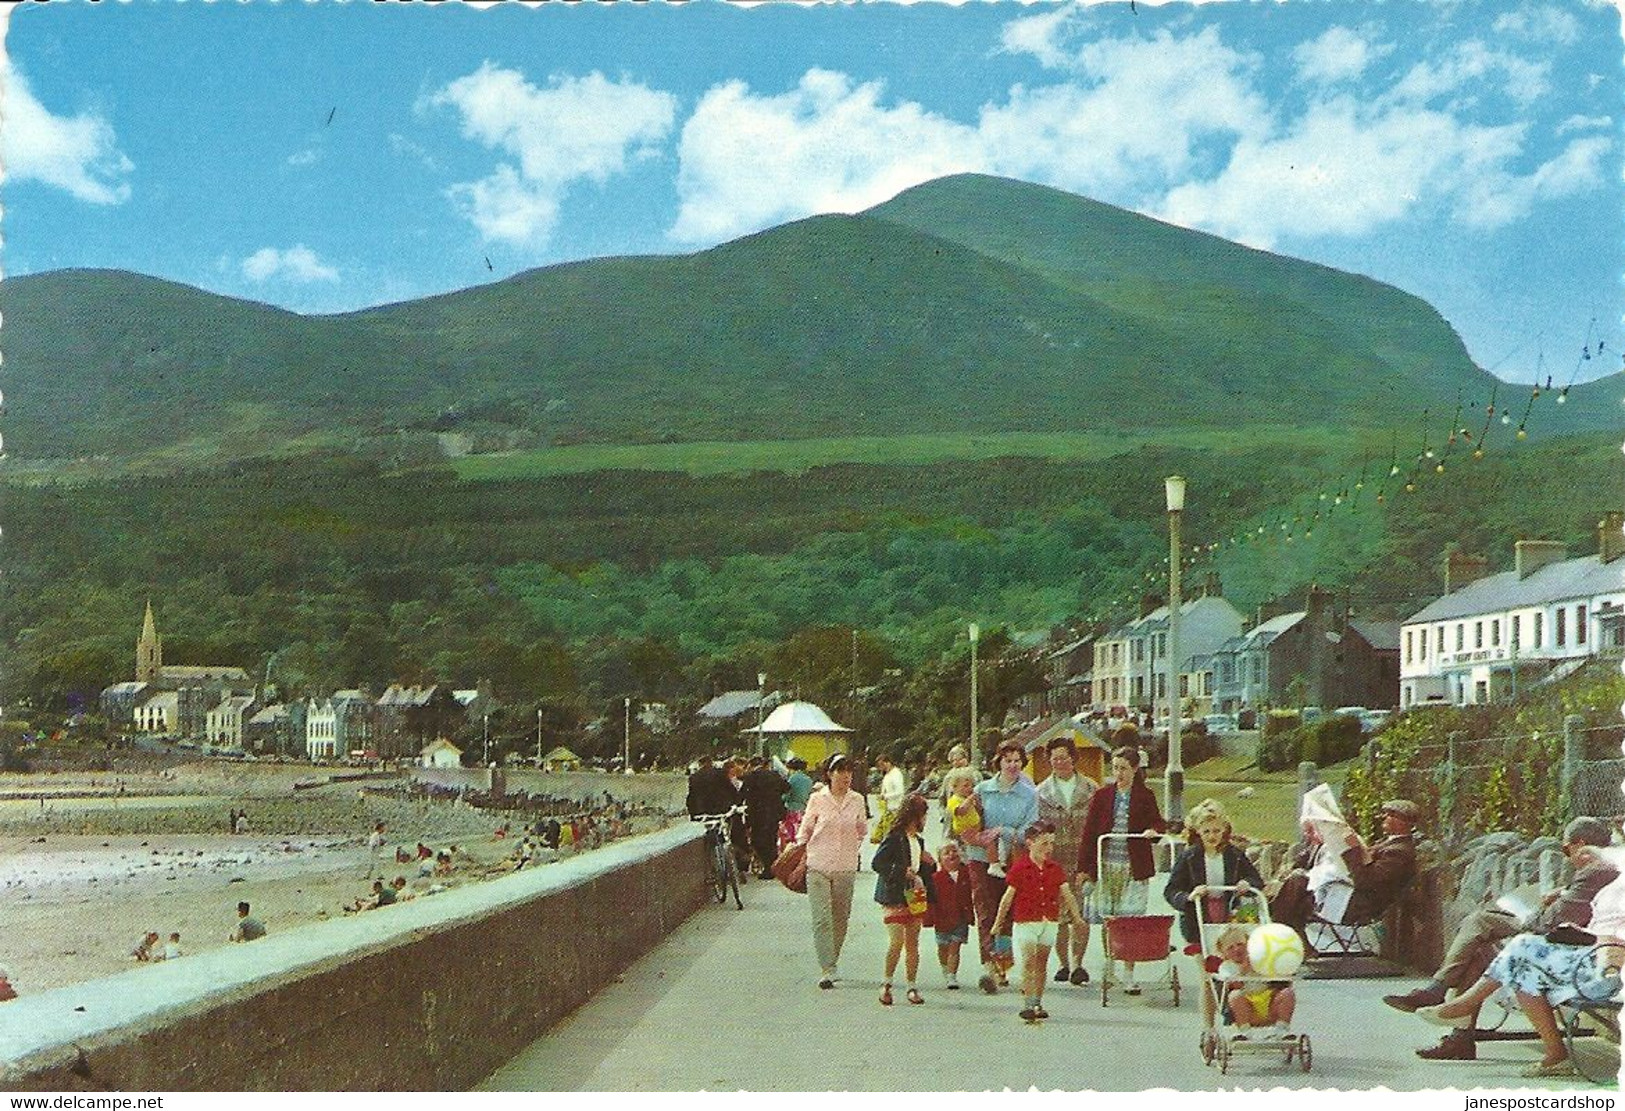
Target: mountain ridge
964,305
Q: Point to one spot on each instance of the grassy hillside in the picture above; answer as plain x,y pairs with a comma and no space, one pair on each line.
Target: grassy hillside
967,306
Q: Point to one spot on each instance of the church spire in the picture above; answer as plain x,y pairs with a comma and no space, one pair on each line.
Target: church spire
149,650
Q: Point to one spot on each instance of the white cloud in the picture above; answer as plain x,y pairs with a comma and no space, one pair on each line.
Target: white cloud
1177,124
1040,35
296,264
1540,25
1584,123
76,153
306,157
401,145
750,160
1140,111
577,128
828,145
1338,54
1472,66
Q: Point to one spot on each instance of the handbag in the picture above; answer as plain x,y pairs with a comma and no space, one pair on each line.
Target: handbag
1571,935
790,868
914,898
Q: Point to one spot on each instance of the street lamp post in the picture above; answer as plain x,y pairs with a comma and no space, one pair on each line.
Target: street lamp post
485,719
761,693
538,736
626,754
1174,786
975,634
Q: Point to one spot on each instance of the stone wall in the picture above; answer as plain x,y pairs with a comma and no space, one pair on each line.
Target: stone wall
433,994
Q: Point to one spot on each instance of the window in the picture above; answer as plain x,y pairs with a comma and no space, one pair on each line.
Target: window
1409,637
1559,626
1439,647
1495,633
1461,635
1258,671
1539,637
1478,634
1517,630
1580,624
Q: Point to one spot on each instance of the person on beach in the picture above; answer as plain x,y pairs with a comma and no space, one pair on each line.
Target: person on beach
172,947
902,874
832,829
1036,895
7,992
241,826
143,948
248,928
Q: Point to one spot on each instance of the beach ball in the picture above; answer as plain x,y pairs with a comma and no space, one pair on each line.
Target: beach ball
1275,950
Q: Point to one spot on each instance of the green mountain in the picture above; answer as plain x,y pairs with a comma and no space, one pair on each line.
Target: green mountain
967,305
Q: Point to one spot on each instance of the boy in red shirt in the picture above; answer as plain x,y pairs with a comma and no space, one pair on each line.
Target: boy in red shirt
1036,893
952,913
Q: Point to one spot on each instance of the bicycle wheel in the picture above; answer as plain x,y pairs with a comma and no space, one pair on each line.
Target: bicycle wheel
733,882
721,859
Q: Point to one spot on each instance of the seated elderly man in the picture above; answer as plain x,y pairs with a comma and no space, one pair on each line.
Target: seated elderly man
1377,873
1483,934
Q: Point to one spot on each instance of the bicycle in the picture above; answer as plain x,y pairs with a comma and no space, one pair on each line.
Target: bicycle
721,871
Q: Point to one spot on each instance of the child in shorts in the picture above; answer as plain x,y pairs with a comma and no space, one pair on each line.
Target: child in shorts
1035,896
952,913
1252,1003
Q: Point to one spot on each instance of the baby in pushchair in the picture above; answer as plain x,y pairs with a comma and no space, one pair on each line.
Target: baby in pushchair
1250,1002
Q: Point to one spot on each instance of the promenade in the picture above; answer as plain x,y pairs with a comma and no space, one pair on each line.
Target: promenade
730,1002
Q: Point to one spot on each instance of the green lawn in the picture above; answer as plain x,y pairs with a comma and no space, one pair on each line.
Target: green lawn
743,457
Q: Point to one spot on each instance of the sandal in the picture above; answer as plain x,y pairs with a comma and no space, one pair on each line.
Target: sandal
915,997
885,996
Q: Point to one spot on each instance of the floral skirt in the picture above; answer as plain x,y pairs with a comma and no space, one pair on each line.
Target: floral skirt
1531,964
1116,892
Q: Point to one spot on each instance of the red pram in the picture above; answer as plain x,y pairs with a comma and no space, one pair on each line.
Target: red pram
788,827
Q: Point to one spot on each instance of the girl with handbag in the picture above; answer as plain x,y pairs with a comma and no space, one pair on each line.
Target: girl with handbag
902,872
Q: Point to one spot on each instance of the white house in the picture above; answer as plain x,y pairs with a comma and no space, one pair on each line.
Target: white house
158,714
338,725
223,725
441,753
1131,668
1472,645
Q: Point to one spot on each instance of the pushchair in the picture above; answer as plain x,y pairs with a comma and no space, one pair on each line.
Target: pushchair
1134,937
1221,1041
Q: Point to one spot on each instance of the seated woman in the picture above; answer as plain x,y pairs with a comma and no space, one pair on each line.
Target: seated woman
1539,973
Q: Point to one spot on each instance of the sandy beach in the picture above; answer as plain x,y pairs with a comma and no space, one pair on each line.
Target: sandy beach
89,870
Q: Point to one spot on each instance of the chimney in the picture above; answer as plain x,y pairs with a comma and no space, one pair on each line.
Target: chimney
1611,536
1530,556
1149,603
1461,569
1211,588
1316,605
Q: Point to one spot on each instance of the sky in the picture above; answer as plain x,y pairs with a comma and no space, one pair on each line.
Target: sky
327,157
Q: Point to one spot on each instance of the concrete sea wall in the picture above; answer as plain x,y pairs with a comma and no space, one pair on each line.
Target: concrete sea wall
429,995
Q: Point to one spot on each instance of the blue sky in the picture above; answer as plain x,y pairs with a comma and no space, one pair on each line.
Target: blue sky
331,156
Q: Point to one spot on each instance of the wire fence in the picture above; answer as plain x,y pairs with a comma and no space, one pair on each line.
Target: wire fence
1527,783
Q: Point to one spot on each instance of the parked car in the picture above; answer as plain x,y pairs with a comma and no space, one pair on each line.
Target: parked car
1221,723
1308,715
1373,720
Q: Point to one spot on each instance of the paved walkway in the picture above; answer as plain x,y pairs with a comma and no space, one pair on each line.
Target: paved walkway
729,1002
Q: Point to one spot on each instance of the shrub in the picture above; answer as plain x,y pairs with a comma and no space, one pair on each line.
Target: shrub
1279,750
1332,741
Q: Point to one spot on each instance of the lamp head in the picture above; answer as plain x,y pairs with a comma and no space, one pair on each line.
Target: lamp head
1176,492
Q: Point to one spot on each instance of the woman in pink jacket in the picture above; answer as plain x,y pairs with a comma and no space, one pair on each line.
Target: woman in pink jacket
832,829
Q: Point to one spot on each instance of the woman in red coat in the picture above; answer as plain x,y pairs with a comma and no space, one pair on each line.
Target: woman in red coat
1116,880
